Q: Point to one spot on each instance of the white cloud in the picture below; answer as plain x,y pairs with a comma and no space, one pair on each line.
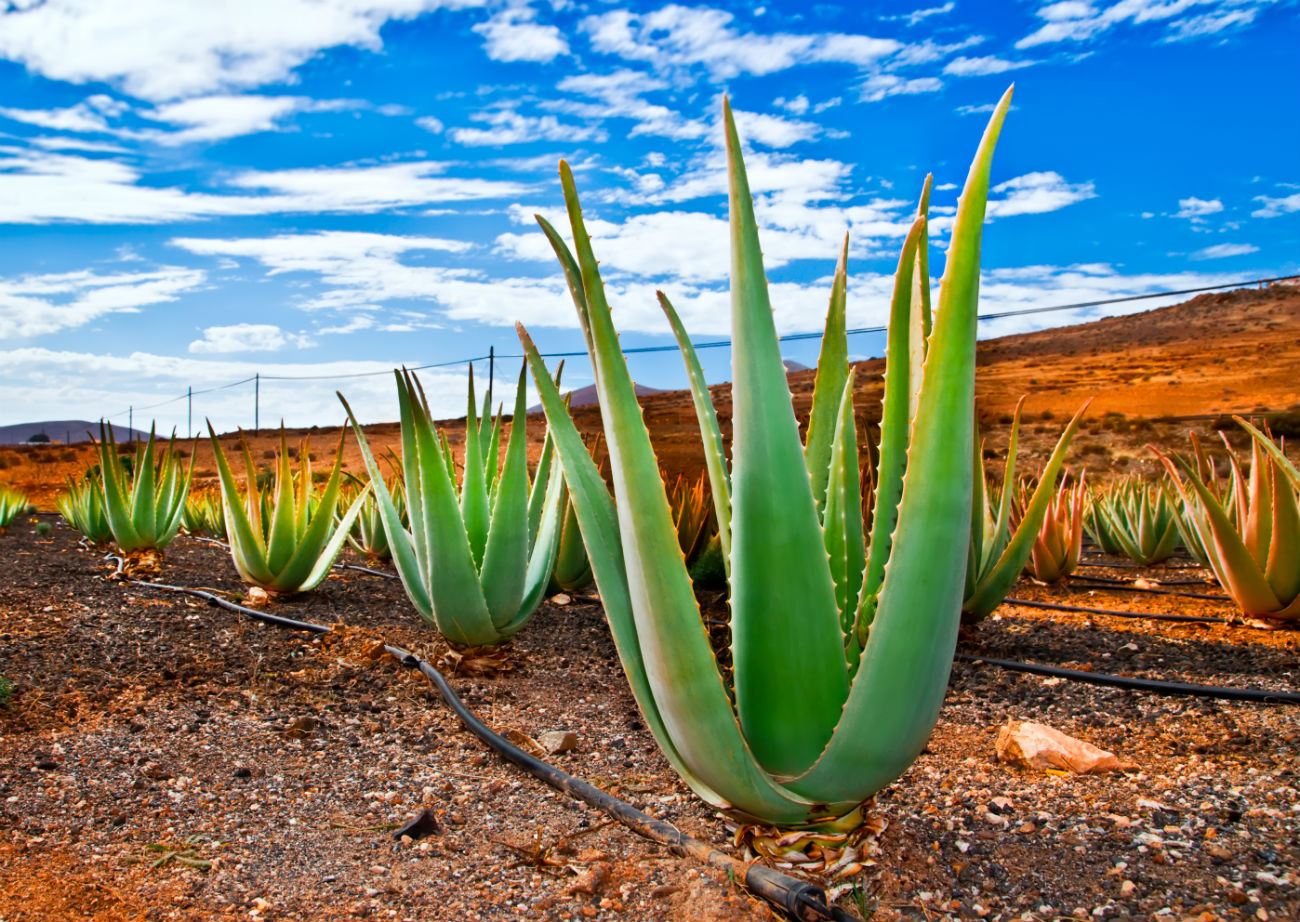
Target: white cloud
796,106
1183,19
1275,207
976,67
878,86
40,188
88,117
34,305
620,96
1036,193
1196,208
155,49
430,124
247,337
512,35
1223,250
773,130
216,118
361,270
917,16
506,126
677,36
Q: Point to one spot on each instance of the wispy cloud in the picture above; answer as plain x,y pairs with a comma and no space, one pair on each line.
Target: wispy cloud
1036,193
1183,19
977,67
247,337
1224,250
1274,207
41,188
507,126
34,305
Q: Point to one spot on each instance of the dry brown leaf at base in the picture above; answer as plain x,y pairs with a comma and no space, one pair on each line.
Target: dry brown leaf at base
1038,746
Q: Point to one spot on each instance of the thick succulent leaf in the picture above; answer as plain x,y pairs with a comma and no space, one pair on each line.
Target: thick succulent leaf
304,572
541,559
715,460
573,276
1000,577
505,557
921,319
828,387
537,493
143,496
895,429
785,631
1257,531
473,490
247,547
842,519
896,694
281,542
1282,568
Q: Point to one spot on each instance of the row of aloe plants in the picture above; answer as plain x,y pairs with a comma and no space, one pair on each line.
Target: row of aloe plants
842,623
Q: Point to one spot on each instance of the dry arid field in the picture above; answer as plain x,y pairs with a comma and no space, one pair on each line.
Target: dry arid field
161,759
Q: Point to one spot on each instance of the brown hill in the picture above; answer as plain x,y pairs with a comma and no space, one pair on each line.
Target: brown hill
1154,376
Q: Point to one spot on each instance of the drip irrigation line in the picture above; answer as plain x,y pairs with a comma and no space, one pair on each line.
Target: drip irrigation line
1154,616
1131,565
1156,686
372,572
214,599
1116,586
800,899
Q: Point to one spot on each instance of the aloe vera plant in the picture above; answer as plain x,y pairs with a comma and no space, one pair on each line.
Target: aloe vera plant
143,508
82,506
478,556
12,504
1137,518
840,662
1060,538
204,516
367,535
284,539
998,553
1254,549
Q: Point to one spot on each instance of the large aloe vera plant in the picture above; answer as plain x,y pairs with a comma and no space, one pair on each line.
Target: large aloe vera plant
1254,548
840,662
998,553
285,539
478,556
143,508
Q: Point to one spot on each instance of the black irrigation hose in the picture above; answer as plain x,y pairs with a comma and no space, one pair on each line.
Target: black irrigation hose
800,899
1147,685
1131,565
1119,585
213,599
1154,616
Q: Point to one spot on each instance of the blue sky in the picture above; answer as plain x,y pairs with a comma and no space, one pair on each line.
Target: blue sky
192,193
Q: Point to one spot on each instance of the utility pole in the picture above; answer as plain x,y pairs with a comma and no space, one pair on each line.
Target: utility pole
189,416
257,397
492,372
130,423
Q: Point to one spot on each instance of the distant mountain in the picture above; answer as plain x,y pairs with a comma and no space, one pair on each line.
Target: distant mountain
587,395
65,431
792,366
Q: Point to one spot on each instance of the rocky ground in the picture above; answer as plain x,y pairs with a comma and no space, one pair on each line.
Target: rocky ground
163,759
